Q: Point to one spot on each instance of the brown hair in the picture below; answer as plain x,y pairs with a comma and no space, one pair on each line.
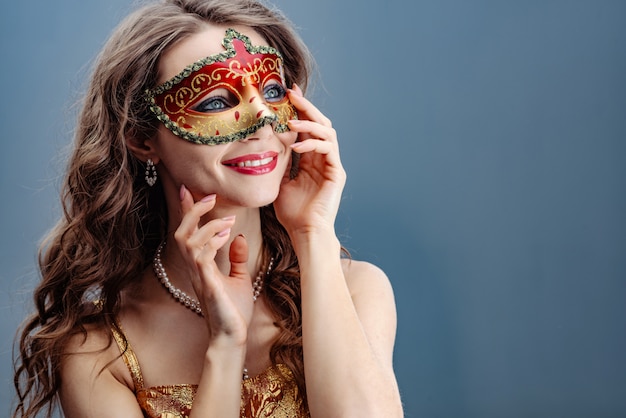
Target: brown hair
112,222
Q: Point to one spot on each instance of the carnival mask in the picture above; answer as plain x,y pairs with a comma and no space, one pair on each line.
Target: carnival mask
256,95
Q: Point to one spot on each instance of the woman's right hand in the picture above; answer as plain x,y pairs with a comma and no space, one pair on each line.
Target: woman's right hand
226,301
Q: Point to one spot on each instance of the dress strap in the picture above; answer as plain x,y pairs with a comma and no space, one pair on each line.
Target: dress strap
129,357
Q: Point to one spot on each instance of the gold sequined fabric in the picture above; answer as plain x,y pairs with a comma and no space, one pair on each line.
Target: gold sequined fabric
273,393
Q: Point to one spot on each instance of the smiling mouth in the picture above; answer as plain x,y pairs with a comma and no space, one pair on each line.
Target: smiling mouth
251,163
254,163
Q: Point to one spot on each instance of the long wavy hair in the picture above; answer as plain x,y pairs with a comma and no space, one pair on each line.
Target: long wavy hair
112,222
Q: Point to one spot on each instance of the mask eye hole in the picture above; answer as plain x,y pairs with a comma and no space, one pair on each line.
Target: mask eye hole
274,92
218,100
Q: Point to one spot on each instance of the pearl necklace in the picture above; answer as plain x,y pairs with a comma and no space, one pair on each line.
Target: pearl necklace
188,301
193,304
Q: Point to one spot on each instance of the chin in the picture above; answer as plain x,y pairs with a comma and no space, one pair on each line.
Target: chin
256,199
265,200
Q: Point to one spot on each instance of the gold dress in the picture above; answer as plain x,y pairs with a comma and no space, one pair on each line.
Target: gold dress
273,393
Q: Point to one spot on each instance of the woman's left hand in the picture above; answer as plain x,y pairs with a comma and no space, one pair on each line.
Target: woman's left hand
310,201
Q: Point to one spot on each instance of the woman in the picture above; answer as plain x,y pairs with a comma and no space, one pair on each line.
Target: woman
195,165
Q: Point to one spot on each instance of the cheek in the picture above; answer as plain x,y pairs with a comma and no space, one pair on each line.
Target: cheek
184,159
287,138
166,143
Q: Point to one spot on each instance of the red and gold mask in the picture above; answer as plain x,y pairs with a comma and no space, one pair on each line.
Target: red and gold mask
227,96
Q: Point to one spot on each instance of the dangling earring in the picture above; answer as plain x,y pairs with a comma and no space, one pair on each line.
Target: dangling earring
151,174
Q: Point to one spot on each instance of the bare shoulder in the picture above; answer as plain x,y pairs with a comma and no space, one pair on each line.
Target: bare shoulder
90,354
364,277
374,302
93,377
95,338
96,346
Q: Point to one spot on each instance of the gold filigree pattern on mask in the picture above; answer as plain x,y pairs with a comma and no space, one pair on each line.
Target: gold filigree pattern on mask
243,70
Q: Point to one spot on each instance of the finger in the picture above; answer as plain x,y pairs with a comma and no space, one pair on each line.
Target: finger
319,147
186,200
314,129
192,212
203,243
212,235
239,257
298,90
328,150
306,109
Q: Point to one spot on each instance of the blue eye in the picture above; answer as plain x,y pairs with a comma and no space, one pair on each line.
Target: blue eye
212,104
274,93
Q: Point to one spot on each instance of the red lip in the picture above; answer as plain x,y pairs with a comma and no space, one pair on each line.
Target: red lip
253,164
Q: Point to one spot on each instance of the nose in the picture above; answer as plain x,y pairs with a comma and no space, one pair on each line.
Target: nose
256,104
262,134
258,109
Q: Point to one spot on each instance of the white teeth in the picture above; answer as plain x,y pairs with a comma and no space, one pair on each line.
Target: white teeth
255,163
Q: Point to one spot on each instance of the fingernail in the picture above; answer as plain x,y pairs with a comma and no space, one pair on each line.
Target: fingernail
229,218
223,233
296,145
183,190
208,198
242,236
294,122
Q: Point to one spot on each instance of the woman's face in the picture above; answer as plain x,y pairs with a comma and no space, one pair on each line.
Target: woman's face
246,172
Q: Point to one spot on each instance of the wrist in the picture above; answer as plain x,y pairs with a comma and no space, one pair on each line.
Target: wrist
314,239
225,356
219,388
316,248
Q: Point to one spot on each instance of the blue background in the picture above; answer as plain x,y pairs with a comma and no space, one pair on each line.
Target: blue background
485,145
